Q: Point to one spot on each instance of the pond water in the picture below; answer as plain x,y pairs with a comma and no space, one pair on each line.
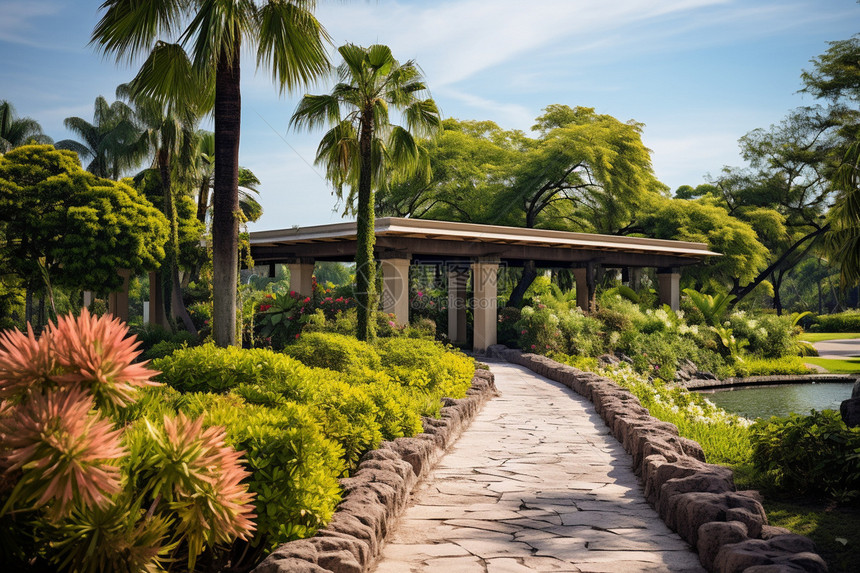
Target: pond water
766,401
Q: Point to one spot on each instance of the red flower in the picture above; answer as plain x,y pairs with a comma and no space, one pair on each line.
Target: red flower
265,307
307,300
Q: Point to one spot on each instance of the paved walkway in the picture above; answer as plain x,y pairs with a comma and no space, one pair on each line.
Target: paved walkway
838,349
535,484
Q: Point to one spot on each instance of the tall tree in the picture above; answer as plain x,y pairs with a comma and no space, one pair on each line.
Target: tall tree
63,225
16,131
108,143
844,241
363,149
285,36
790,168
167,134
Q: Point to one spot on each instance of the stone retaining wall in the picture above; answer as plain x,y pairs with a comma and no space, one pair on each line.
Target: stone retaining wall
377,493
696,384
696,499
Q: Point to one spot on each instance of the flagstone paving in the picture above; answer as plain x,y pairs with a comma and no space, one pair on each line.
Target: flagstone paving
536,483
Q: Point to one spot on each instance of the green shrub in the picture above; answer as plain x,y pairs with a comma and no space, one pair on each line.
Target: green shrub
770,366
817,453
162,349
208,368
335,351
539,330
768,335
294,467
848,321
427,365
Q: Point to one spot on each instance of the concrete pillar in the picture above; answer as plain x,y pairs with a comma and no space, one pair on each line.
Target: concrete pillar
301,277
634,277
118,301
395,289
584,277
156,301
485,277
88,298
670,287
457,279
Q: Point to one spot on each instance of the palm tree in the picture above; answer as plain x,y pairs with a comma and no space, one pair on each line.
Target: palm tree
168,134
108,143
205,168
363,149
18,131
286,37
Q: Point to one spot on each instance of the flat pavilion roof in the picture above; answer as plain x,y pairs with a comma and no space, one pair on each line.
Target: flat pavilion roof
429,241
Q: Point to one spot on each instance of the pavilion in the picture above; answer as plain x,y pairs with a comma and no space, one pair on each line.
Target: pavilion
480,249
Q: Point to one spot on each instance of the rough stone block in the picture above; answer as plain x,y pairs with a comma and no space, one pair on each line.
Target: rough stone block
713,535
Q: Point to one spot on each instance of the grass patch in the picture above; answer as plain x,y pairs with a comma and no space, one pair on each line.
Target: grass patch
834,366
834,529
822,336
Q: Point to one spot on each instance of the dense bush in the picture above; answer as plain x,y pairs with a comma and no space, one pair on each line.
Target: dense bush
848,321
768,335
294,468
817,453
335,351
428,365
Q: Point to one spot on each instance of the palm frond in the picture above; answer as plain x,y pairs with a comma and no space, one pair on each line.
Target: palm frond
292,43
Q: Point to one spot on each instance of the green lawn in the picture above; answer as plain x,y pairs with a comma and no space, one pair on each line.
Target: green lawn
819,336
847,366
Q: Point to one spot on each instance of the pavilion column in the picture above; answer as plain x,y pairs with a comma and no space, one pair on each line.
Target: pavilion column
118,301
301,276
634,279
669,281
395,289
457,279
584,277
156,301
485,277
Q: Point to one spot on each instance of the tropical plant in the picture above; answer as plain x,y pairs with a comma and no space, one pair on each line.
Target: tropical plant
109,142
16,131
363,149
167,133
285,36
81,491
282,316
712,307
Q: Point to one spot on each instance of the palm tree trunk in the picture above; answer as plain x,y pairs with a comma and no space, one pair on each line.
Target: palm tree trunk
177,305
365,277
225,225
203,200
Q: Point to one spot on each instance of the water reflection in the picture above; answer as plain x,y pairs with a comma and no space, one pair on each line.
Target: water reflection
766,401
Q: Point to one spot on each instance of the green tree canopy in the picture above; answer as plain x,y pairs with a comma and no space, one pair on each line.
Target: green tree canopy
705,221
68,226
584,171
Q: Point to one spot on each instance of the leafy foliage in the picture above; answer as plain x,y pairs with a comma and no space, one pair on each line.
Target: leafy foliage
83,492
809,454
71,227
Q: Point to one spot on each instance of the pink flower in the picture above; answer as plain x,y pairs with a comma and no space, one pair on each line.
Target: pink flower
524,331
391,323
307,300
292,293
420,293
61,448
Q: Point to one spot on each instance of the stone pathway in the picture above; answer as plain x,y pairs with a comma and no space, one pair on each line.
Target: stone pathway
536,483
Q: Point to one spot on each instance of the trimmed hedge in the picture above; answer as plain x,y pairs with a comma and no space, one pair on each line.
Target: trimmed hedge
848,321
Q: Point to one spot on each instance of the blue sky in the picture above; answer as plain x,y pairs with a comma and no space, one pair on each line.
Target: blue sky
698,73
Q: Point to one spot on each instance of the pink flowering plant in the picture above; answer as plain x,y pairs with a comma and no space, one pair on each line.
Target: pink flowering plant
281,317
81,492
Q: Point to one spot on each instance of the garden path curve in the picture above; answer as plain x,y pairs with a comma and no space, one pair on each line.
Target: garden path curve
536,483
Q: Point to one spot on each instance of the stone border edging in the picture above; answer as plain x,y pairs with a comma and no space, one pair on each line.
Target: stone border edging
699,384
378,492
698,500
